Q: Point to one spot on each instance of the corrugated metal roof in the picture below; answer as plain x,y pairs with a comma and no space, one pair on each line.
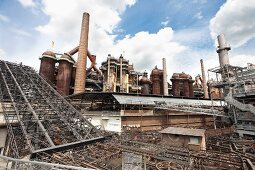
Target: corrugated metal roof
147,100
183,131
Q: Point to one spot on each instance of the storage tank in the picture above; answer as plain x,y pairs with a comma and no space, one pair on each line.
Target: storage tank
175,84
182,85
145,83
64,74
155,78
47,67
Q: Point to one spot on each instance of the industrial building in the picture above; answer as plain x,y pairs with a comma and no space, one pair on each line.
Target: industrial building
70,116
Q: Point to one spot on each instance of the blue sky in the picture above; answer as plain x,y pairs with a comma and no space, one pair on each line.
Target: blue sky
182,31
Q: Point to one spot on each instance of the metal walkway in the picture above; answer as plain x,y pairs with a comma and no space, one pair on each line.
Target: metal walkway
244,107
37,117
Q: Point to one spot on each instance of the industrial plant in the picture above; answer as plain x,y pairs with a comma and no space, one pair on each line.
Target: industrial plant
111,116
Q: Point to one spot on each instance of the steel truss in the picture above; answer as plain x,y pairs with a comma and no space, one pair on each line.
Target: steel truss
37,117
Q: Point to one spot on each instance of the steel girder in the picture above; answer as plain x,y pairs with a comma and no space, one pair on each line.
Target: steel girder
41,118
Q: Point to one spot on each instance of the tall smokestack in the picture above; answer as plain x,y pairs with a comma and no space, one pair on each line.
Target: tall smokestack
80,78
222,50
165,85
206,96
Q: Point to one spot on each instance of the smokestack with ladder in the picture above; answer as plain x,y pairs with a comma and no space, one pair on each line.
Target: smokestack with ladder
165,85
222,50
80,78
206,96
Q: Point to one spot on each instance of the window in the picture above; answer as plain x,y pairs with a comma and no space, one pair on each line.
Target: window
193,140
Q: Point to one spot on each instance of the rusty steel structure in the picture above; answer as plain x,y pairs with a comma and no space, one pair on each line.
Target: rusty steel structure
37,117
65,69
145,83
47,68
156,79
182,85
80,77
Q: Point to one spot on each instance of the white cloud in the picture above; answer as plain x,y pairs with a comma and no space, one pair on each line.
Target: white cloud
236,20
198,15
144,49
27,3
147,50
4,18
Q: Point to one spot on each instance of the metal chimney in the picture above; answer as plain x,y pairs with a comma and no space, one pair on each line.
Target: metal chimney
222,50
165,85
80,78
206,96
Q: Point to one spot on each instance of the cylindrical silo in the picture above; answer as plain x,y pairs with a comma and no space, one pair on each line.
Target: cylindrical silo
64,74
155,78
47,67
175,84
145,83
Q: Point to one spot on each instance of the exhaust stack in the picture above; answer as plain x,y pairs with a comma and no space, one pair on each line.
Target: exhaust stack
222,50
165,85
206,96
80,77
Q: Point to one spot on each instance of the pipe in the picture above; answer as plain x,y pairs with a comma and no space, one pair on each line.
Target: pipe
108,69
165,85
92,58
73,51
121,81
206,96
127,90
222,50
80,78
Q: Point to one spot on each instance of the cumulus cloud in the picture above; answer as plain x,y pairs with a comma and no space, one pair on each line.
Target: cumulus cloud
235,20
27,3
144,49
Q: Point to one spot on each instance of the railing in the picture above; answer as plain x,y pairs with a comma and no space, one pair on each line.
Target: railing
239,105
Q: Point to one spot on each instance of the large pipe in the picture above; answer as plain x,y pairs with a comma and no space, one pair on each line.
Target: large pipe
127,87
108,70
206,96
222,50
121,81
73,51
80,77
165,85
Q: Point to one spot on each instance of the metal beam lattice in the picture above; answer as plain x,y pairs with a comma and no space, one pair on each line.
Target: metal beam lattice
43,117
